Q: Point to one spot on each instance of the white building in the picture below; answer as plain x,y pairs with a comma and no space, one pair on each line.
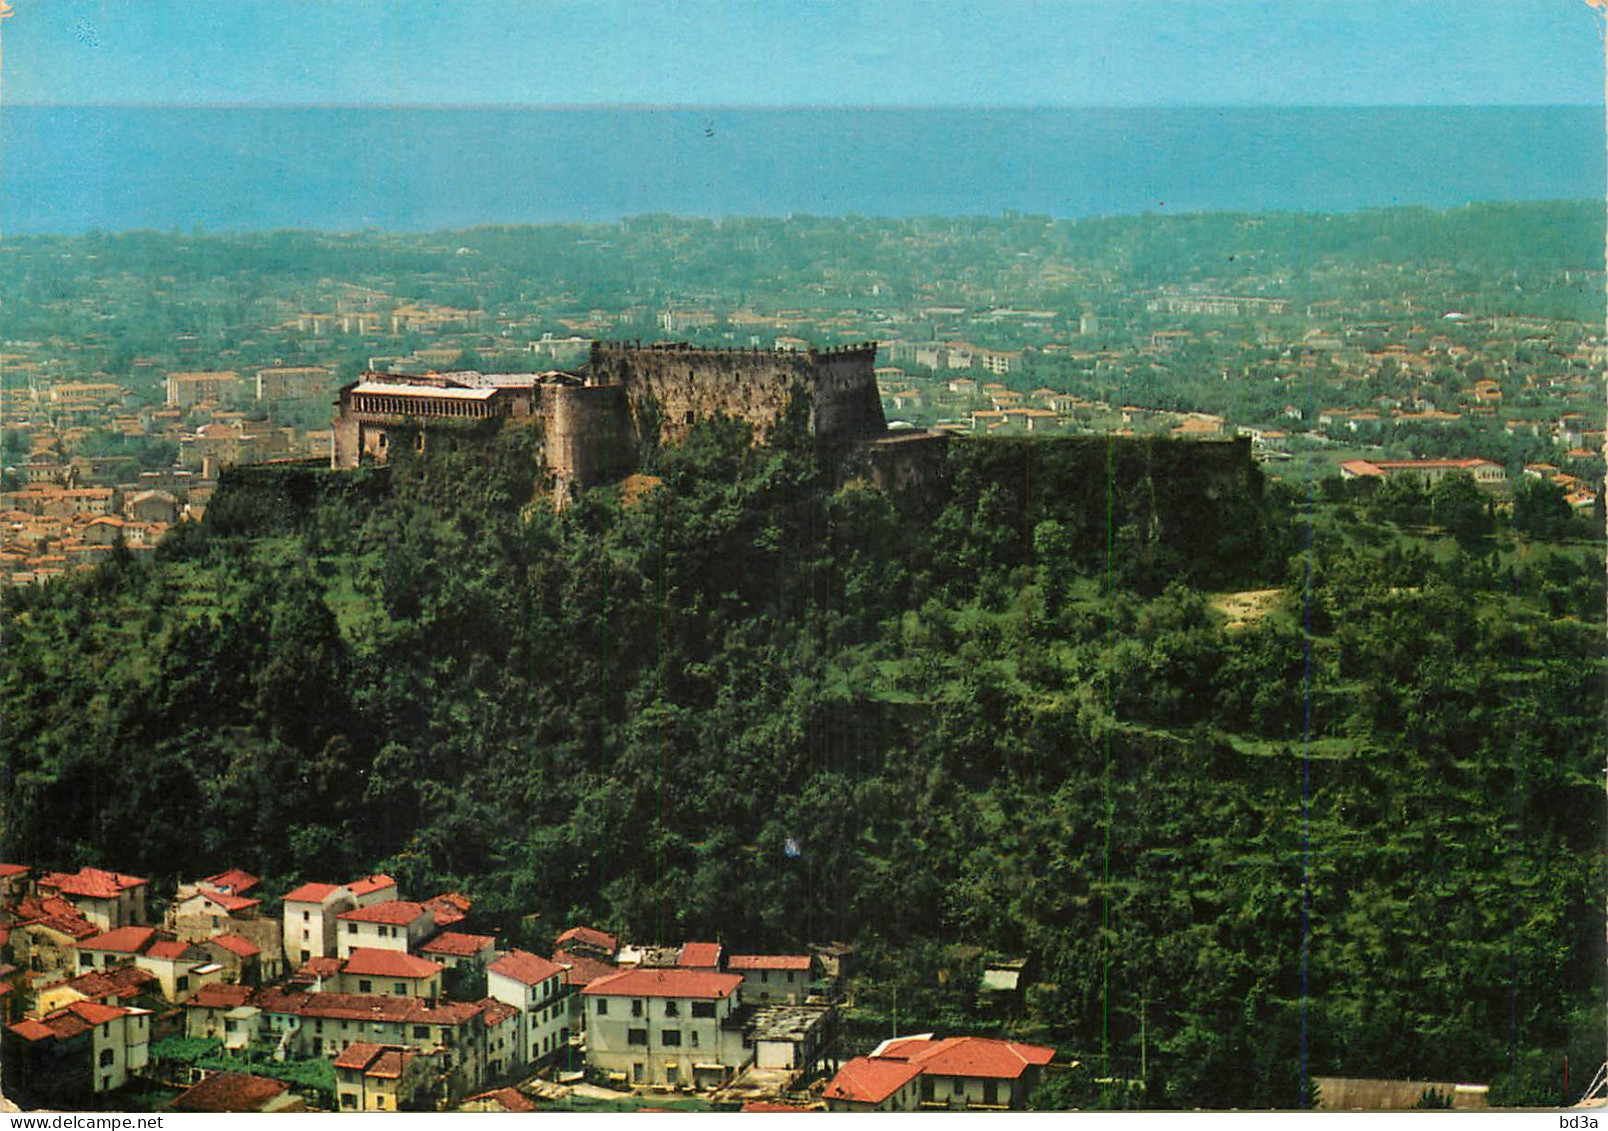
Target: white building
665,1026
396,924
535,987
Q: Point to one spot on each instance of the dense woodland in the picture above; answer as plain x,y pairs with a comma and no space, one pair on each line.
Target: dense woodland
1360,835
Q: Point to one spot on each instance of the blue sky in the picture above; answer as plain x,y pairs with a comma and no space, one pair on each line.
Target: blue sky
805,52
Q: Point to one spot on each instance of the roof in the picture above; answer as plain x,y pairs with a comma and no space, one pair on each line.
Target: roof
370,884
124,940
9,870
425,391
320,967
56,915
311,893
457,944
968,1056
120,981
389,964
230,903
236,945
769,962
90,883
870,1080
589,936
581,970
397,912
674,982
449,908
233,881
230,1092
219,995
495,1012
509,1099
525,967
368,1007
700,955
166,949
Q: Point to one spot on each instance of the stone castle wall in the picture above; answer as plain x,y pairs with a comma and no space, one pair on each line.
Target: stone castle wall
678,384
587,434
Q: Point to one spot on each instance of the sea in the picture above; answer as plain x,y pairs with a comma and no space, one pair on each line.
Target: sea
74,169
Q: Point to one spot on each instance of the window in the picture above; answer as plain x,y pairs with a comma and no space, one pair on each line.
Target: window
636,1037
351,928
86,960
306,954
401,988
182,982
764,975
670,1038
959,1086
106,1057
694,1041
379,1101
306,917
636,1007
671,1008
230,1025
602,1007
990,1092
637,1073
365,986
703,1009
348,1100
305,937
420,1032
926,1089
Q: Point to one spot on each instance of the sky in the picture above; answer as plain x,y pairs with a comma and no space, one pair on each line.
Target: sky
804,52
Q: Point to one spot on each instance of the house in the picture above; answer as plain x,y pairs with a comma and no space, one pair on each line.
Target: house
503,1041
388,972
309,920
589,941
185,390
790,1037
232,1092
665,1026
13,883
71,1052
112,948
1486,473
448,909
869,1083
454,948
180,968
207,1012
773,978
44,936
500,1100
535,987
371,1077
370,890
395,924
240,958
107,899
970,1072
216,906
122,985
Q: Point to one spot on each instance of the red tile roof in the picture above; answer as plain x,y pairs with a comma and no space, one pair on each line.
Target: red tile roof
496,1012
234,944
397,912
230,903
457,944
589,936
968,1056
510,1099
452,907
769,962
230,1092
124,940
368,885
56,914
234,881
525,967
90,883
9,870
870,1080
368,1007
218,995
580,970
315,968
358,1055
166,949
311,893
674,982
121,982
700,955
389,964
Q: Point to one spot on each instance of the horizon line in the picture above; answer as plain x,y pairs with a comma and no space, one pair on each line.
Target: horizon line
792,107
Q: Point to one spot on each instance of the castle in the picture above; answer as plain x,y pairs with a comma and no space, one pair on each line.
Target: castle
596,422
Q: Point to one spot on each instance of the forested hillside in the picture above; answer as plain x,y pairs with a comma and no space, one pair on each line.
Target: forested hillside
1010,714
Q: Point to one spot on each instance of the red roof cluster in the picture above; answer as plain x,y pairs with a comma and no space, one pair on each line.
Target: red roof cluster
396,912
120,981
219,995
367,1007
381,963
69,1021
90,883
524,967
56,914
673,982
230,1092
